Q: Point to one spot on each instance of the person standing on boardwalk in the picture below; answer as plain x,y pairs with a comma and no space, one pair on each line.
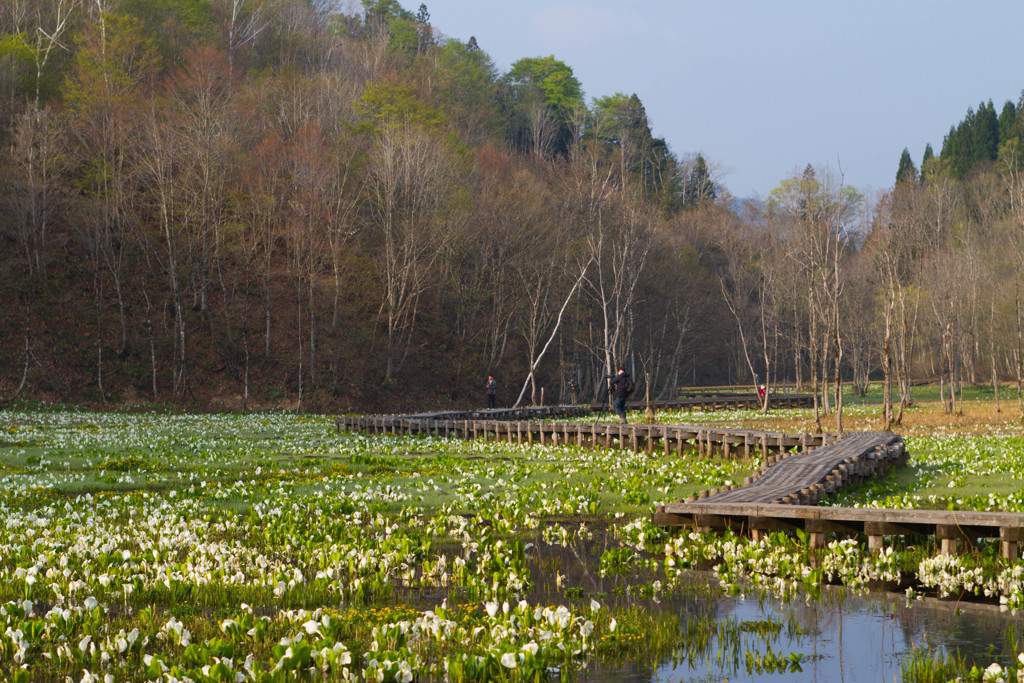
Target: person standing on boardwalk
574,389
492,391
621,386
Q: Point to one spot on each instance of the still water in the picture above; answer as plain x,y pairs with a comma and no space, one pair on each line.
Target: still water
839,637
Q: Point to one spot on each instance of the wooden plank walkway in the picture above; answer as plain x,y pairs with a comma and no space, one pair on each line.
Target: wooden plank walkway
798,470
784,494
524,413
718,402
704,403
678,439
954,528
806,478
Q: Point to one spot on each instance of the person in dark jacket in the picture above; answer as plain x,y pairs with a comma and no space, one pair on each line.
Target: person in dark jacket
620,386
492,391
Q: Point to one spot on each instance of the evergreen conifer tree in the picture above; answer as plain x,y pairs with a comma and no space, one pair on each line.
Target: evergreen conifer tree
699,187
928,162
984,134
906,171
1007,122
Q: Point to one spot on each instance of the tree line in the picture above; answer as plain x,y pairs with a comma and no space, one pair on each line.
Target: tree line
276,202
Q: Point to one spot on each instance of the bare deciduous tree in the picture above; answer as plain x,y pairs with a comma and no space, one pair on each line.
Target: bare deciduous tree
408,183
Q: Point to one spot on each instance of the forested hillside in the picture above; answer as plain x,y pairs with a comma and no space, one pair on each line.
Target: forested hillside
239,203
269,201
983,141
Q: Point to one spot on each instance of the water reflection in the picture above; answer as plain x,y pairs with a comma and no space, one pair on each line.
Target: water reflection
838,637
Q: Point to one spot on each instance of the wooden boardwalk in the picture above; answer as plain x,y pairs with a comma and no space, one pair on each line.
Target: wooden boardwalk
525,413
665,438
718,402
797,471
797,468
953,528
806,478
784,494
688,403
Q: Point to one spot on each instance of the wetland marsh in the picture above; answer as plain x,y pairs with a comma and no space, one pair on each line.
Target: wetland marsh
265,546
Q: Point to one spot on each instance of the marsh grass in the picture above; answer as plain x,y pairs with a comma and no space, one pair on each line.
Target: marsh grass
926,665
191,516
214,481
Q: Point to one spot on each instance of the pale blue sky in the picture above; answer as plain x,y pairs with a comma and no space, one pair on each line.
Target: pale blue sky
764,88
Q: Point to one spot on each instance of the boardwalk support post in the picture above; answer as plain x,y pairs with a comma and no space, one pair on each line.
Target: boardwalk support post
1009,542
875,544
953,537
